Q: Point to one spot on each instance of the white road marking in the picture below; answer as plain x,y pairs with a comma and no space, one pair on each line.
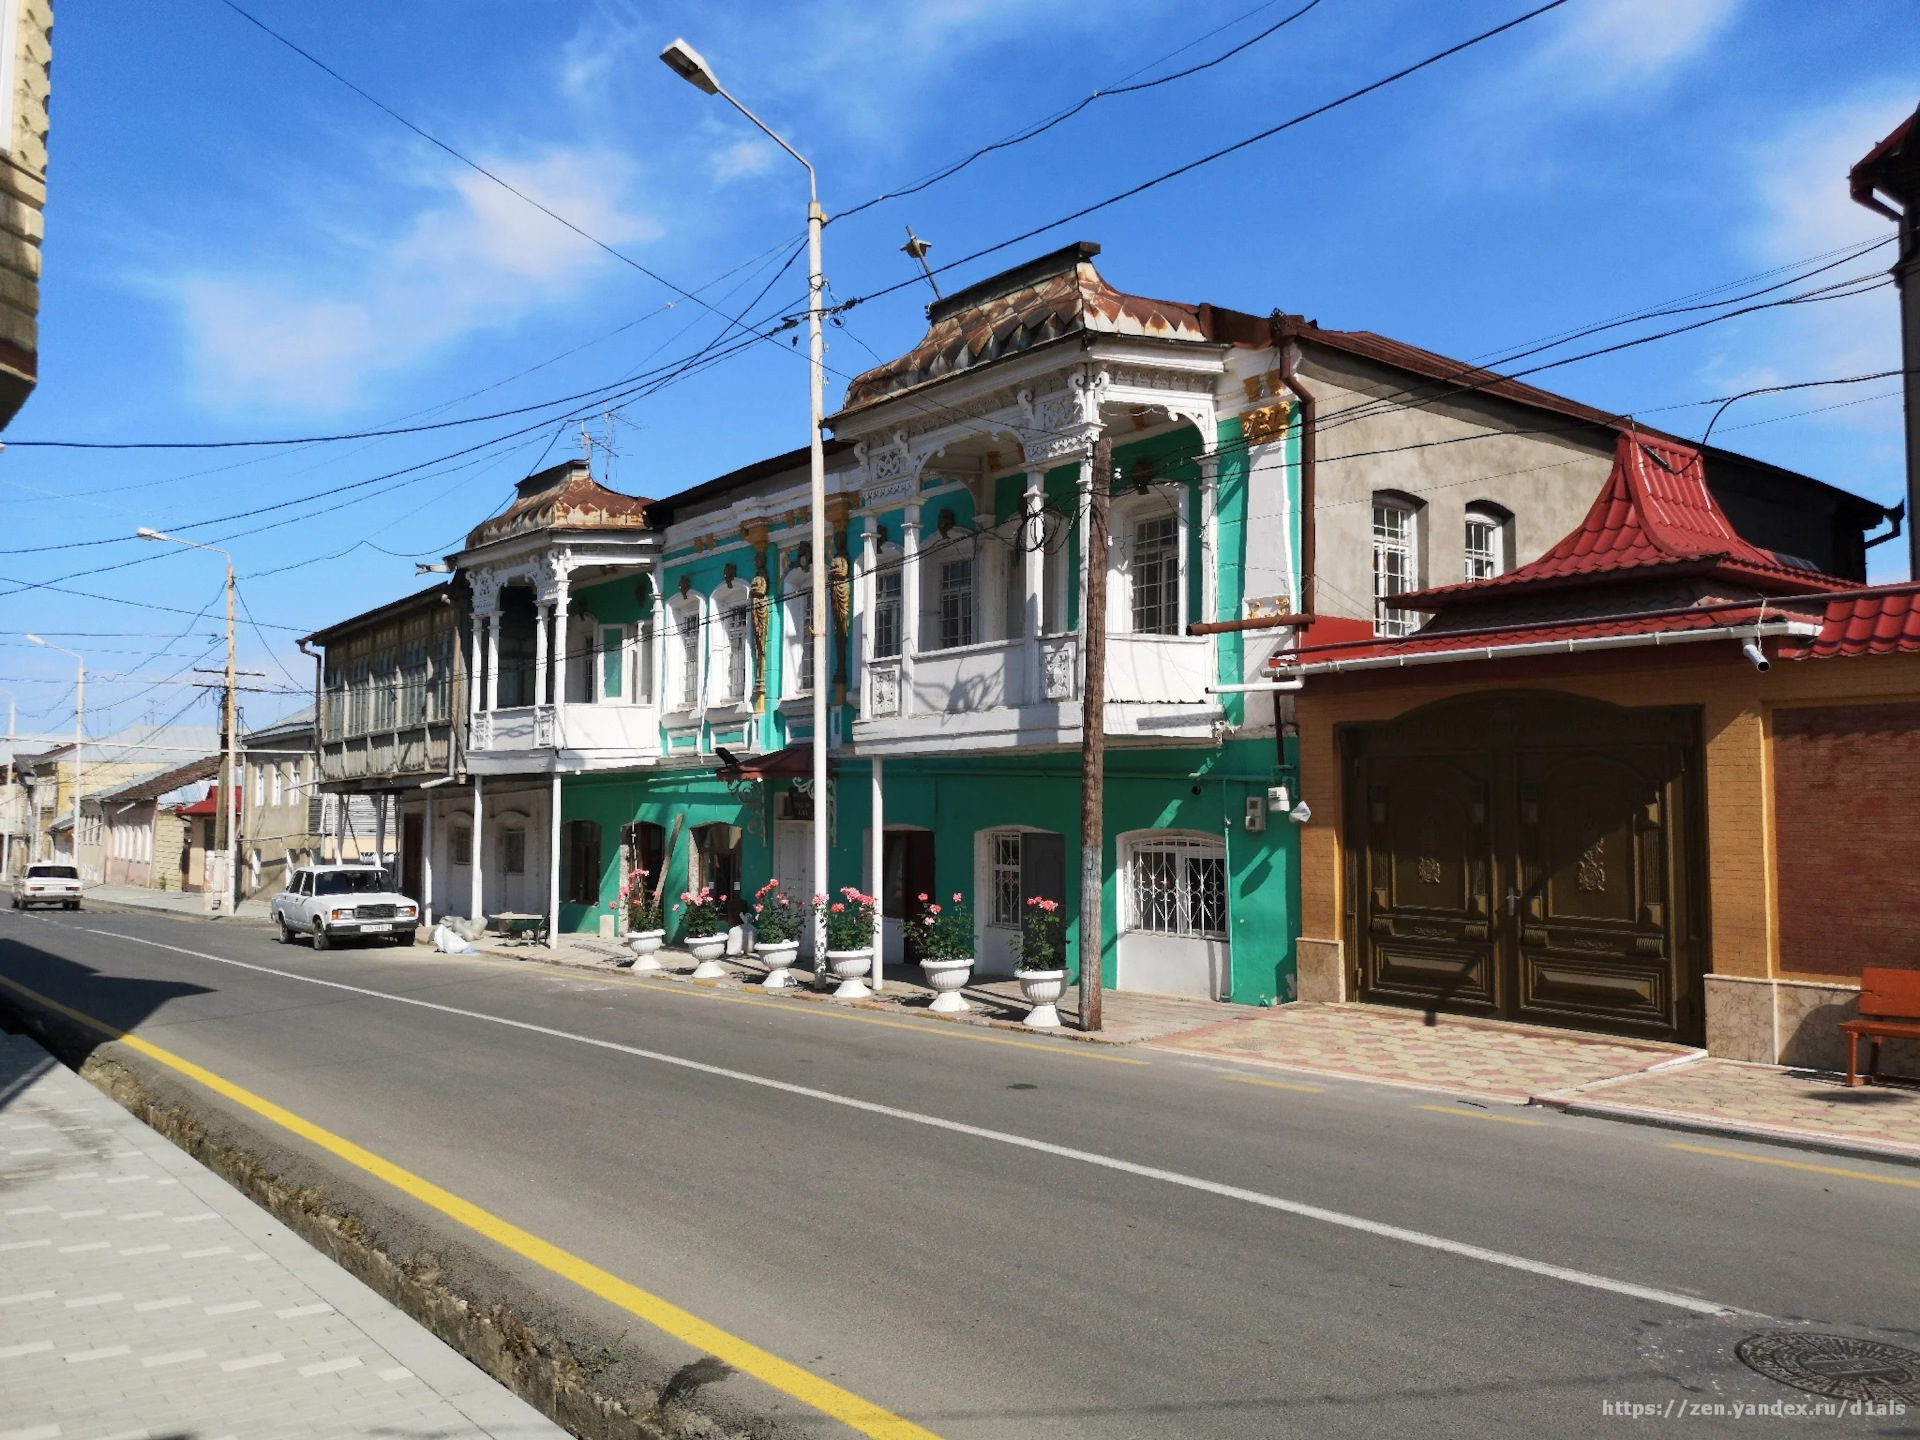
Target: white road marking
1419,1238
80,1214
177,1357
295,1312
32,1347
22,1299
398,1372
25,1244
106,1299
82,1249
37,1432
146,1249
330,1367
232,1307
142,1215
30,1210
171,1303
252,1362
85,1357
207,1253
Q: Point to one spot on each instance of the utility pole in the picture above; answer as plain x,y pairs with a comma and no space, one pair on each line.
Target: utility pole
79,737
232,775
1093,735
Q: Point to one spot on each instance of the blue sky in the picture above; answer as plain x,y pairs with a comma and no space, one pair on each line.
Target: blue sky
238,246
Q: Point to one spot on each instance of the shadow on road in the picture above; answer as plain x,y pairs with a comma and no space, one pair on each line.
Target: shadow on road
31,977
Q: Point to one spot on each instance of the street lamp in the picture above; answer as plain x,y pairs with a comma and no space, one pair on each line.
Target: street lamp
230,771
79,720
687,63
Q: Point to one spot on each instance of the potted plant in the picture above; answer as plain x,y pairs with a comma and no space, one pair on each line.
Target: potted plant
1040,968
646,929
705,932
942,941
850,935
777,919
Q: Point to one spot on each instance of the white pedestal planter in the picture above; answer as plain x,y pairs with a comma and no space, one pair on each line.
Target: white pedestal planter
779,957
706,951
948,978
1042,988
849,966
643,943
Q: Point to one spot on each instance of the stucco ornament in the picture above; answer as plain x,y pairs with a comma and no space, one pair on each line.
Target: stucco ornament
759,610
550,574
485,586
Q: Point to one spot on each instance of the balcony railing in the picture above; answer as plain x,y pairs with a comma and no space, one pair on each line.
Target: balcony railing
626,728
1001,674
1159,669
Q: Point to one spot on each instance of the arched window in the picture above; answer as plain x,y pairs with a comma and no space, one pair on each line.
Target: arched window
683,653
731,675
580,862
1396,562
796,626
1485,541
886,602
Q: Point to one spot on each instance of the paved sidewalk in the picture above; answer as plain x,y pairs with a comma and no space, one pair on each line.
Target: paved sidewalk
1806,1107
172,902
1481,1058
140,1295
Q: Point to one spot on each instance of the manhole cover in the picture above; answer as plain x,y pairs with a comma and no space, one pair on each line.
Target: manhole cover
1836,1365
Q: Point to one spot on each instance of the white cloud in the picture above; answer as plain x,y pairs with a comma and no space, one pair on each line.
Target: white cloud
743,158
1610,45
476,257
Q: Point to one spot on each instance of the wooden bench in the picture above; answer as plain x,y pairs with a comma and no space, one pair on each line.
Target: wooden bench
1889,1009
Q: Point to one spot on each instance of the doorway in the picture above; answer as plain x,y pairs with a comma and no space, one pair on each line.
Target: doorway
716,848
412,876
1530,857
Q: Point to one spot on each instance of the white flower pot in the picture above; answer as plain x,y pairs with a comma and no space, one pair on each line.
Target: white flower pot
948,977
848,967
1042,988
779,956
643,943
706,951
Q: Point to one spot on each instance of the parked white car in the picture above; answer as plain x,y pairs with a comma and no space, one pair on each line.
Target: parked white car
47,883
326,903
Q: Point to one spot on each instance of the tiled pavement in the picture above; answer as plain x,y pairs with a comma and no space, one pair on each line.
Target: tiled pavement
1803,1105
1484,1059
141,1296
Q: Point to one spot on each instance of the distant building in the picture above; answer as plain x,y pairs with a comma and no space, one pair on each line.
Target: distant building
130,754
282,810
141,836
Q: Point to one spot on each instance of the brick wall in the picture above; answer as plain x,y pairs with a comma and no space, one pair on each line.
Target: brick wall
1846,794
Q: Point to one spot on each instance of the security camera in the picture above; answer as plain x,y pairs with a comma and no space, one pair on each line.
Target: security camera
1754,653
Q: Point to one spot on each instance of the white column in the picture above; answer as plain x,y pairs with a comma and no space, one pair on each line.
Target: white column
540,613
1083,487
1210,556
909,601
380,832
475,666
426,862
1033,559
877,871
476,906
559,696
1184,499
493,660
553,867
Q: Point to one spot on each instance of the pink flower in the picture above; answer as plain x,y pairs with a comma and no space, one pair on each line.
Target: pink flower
956,897
836,907
923,898
928,922
934,908
758,908
820,899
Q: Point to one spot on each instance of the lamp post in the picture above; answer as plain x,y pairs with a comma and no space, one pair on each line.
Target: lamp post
79,720
686,62
229,770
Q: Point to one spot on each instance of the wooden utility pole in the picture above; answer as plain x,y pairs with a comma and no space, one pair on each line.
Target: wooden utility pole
1093,735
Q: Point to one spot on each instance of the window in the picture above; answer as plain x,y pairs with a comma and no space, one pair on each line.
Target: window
259,783
1005,895
956,603
513,852
351,882
385,683
1178,887
412,682
275,778
462,845
440,680
580,862
1393,566
613,662
1156,576
687,630
886,611
643,663
734,636
357,699
336,700
1485,543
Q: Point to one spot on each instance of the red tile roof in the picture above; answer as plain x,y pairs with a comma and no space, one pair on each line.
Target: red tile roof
1654,518
562,497
1880,624
208,804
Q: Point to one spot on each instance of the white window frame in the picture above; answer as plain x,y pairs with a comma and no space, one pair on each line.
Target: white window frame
1396,563
963,627
1483,561
796,610
685,655
733,651
1166,903
1159,503
889,599
276,775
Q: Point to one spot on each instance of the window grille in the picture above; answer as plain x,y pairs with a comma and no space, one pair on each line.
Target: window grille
383,685
1178,887
688,623
513,852
357,697
440,679
462,845
735,629
1483,548
1156,576
1393,567
886,614
956,603
1006,881
412,680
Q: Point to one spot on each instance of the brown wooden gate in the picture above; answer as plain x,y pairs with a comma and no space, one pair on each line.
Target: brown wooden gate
1529,857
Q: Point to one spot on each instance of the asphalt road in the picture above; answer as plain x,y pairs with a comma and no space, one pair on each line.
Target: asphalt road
931,1216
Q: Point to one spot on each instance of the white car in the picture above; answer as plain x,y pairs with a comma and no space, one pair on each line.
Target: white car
326,903
47,884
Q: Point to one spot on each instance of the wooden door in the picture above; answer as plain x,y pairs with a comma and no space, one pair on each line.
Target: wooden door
1530,858
412,879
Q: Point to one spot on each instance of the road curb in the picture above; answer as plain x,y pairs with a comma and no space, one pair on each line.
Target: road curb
1732,1130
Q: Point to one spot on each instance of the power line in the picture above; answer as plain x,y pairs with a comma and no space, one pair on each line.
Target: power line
1041,127
1219,154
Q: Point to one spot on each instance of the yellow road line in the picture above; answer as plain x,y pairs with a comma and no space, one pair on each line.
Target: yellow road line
862,1415
1072,1049
1274,1084
1478,1115
1798,1165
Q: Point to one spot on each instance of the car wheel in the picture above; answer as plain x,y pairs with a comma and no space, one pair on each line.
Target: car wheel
320,938
286,930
